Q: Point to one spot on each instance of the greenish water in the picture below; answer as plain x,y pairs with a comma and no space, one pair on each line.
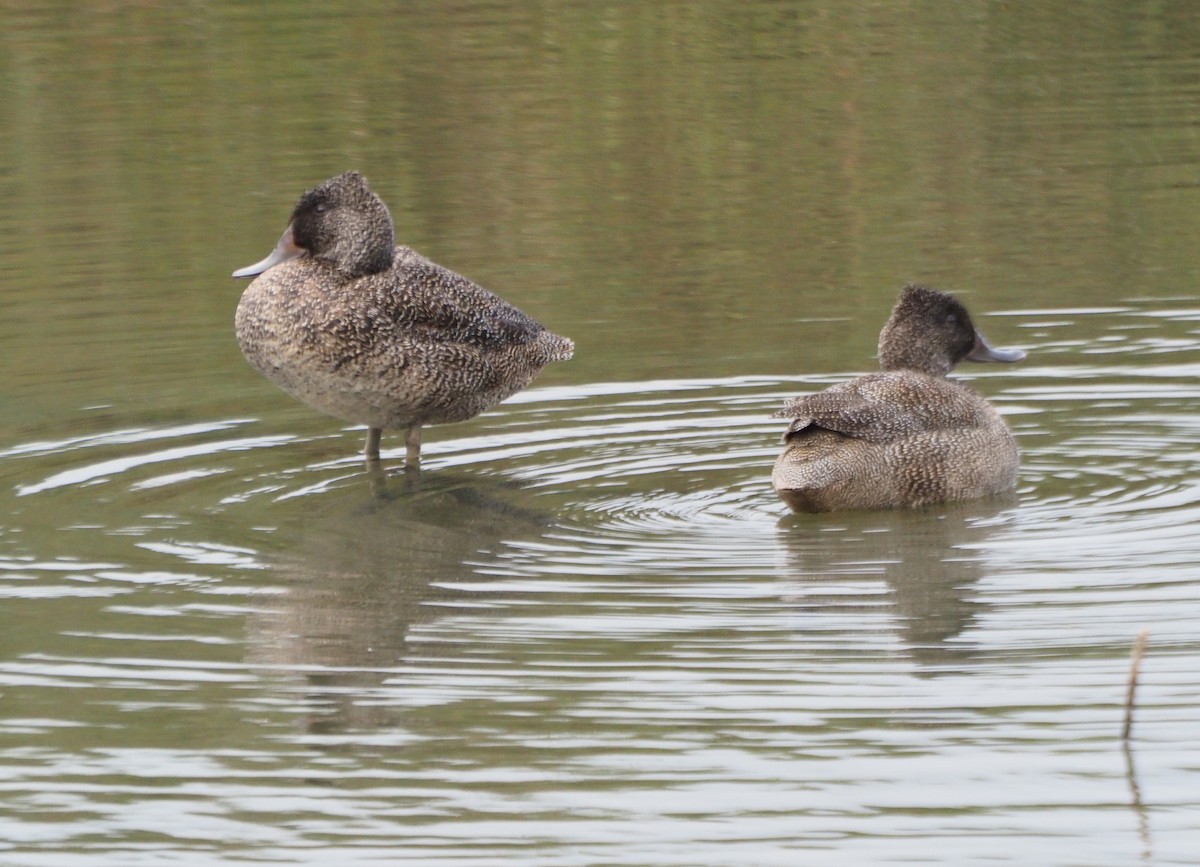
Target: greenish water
589,633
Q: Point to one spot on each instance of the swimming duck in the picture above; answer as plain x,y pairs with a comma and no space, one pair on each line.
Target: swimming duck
906,436
377,334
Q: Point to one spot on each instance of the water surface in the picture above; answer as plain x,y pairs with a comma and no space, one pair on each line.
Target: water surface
588,633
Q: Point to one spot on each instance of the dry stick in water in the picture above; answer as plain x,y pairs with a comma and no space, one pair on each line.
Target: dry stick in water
1139,647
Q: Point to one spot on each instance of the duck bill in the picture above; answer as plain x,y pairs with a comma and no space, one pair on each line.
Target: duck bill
284,251
981,351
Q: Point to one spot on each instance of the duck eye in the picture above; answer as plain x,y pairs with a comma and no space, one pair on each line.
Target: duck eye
951,319
322,207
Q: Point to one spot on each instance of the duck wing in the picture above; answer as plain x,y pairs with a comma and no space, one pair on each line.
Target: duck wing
884,407
442,306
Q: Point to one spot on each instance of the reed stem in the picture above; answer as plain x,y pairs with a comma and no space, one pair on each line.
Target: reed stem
1135,665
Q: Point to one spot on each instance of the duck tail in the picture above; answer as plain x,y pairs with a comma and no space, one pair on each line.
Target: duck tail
559,348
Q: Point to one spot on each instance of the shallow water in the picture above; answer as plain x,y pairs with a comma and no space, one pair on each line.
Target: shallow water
587,632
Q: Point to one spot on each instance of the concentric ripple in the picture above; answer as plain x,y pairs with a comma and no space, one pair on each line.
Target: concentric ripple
590,601
664,473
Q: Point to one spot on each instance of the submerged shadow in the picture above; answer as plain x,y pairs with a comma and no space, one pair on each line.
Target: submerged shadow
368,570
924,557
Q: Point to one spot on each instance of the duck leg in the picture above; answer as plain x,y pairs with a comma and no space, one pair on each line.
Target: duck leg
371,449
412,446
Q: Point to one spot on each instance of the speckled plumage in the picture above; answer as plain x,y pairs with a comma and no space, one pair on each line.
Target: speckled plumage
377,334
906,436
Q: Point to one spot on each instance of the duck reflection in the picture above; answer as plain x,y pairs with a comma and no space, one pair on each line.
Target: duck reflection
370,568
925,558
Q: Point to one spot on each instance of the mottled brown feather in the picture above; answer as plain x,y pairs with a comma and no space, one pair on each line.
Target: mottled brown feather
389,341
906,436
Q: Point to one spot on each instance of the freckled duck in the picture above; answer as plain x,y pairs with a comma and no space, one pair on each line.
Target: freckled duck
906,436
377,334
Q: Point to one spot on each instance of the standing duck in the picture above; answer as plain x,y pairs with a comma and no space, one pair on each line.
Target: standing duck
906,436
376,334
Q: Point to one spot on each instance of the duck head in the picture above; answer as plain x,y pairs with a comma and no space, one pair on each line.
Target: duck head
932,332
340,222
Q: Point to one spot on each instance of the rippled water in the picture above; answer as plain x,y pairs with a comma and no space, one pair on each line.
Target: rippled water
588,632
